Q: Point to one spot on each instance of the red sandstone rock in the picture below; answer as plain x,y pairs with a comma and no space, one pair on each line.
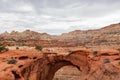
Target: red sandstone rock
107,37
34,65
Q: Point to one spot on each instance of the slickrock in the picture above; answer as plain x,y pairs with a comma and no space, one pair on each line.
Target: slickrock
35,65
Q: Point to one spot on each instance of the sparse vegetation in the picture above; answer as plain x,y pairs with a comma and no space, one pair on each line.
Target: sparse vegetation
17,48
119,63
3,48
69,52
118,49
95,52
113,32
12,61
39,48
103,40
107,60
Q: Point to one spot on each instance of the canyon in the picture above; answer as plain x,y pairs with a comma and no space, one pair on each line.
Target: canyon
108,36
36,65
76,55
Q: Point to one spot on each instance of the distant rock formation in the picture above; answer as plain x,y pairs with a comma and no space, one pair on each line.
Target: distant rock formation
109,36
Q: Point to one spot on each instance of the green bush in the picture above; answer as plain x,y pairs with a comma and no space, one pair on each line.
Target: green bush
3,48
17,48
118,49
103,40
107,60
12,61
119,63
95,52
39,48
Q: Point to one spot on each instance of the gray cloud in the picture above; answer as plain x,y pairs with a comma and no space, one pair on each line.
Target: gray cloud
57,16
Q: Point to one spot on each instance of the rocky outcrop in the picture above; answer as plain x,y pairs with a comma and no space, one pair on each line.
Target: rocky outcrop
108,36
41,66
34,65
28,38
25,35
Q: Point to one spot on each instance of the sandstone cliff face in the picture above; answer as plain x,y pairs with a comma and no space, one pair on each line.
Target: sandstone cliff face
42,66
25,35
108,36
25,38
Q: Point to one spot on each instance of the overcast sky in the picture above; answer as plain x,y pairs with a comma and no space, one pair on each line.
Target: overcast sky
57,16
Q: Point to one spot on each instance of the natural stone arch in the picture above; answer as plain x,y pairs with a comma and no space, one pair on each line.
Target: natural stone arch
79,58
37,66
56,67
44,68
76,58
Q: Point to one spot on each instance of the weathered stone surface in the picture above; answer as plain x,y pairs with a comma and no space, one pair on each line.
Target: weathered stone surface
34,65
107,37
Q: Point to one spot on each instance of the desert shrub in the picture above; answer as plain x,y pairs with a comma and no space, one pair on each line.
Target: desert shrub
17,48
39,48
69,52
3,48
95,52
12,61
107,60
119,63
103,40
7,49
118,49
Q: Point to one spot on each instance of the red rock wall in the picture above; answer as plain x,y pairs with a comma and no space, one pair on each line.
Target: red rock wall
93,67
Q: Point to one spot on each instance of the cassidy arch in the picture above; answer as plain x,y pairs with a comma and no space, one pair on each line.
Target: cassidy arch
52,62
42,66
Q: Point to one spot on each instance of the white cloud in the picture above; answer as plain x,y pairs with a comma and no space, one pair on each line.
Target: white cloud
57,16
25,8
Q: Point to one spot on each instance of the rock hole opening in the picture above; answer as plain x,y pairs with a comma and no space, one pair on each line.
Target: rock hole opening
17,76
67,73
23,57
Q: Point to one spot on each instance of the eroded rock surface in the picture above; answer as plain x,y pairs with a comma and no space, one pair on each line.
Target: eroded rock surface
108,36
34,65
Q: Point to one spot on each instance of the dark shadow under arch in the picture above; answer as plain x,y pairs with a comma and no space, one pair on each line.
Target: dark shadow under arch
54,67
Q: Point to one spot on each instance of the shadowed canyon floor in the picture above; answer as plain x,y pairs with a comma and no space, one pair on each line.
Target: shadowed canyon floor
35,65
